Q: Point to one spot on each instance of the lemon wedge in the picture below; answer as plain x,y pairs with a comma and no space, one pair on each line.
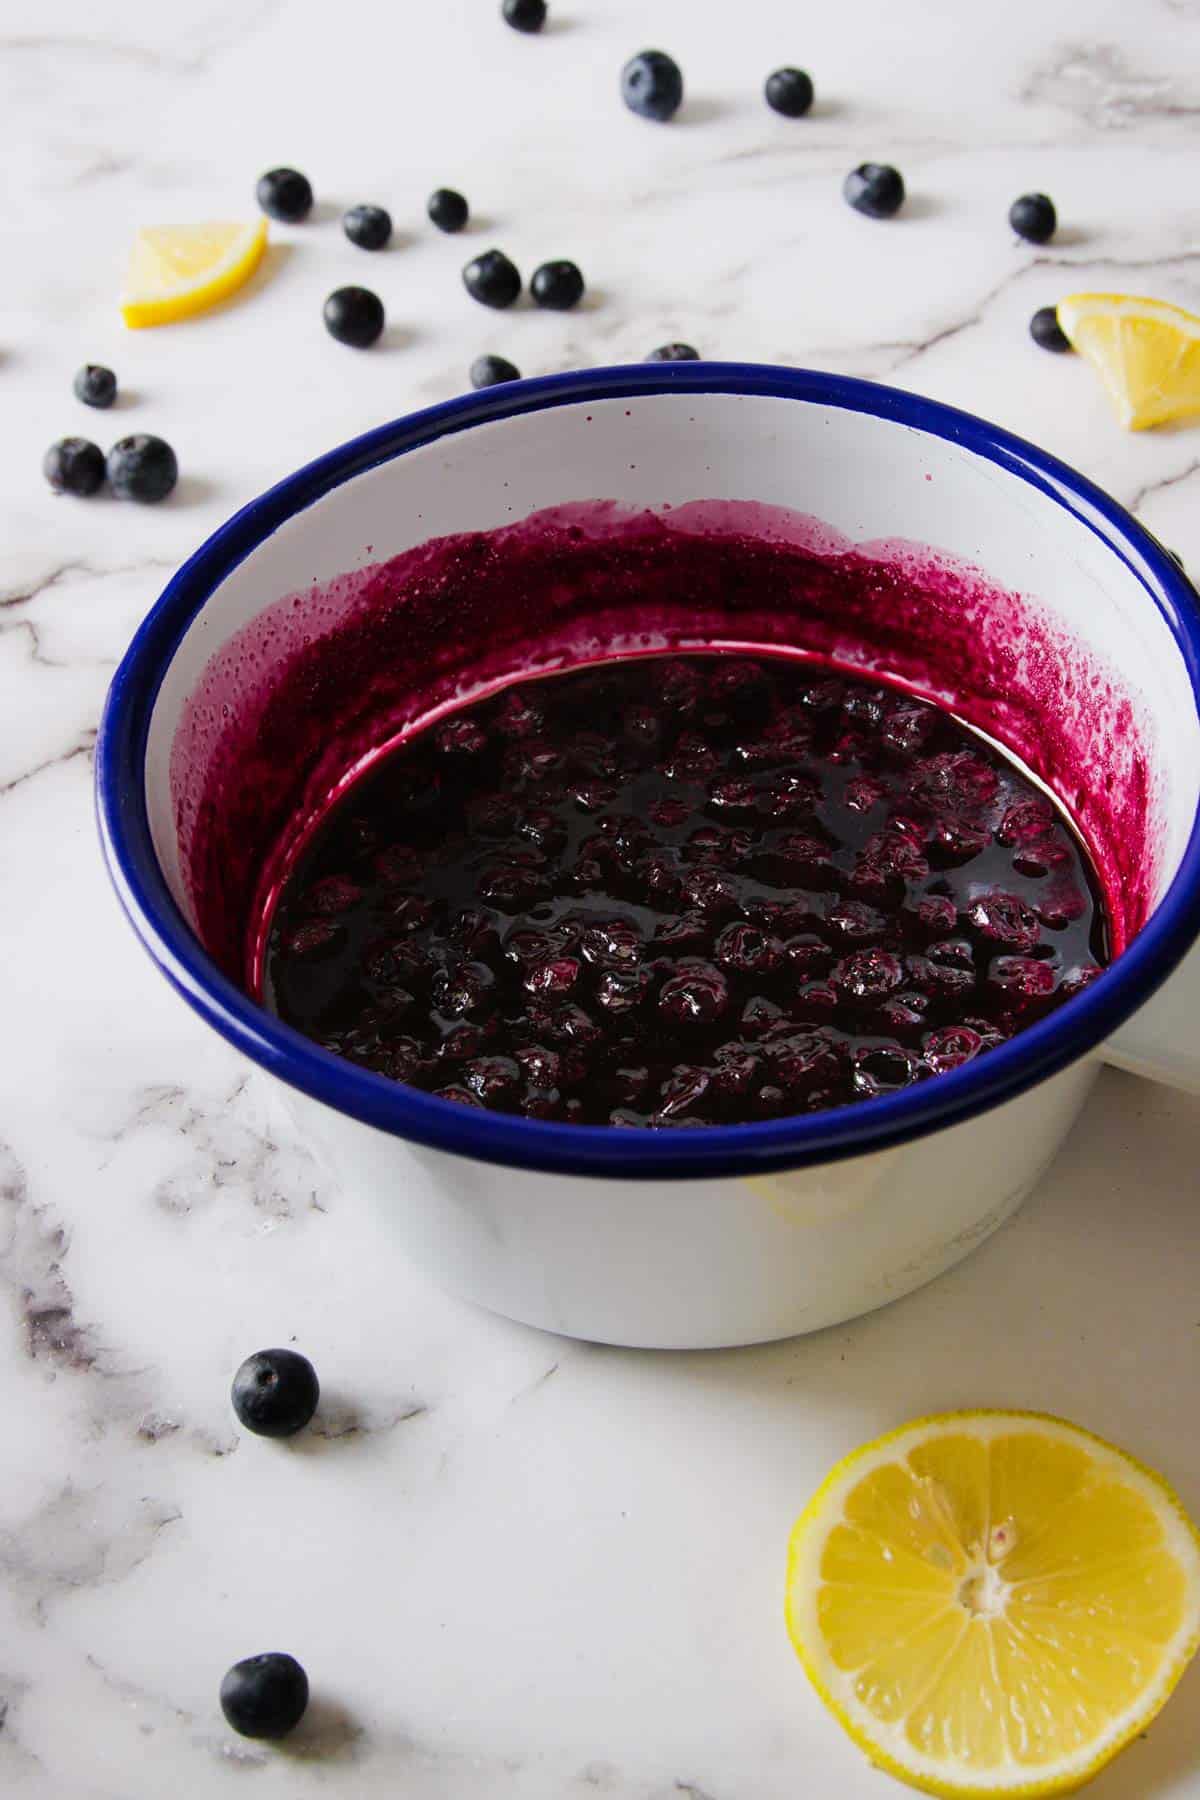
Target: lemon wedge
1146,351
993,1603
178,270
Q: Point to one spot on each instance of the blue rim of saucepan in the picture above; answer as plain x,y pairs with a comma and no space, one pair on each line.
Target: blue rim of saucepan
712,1150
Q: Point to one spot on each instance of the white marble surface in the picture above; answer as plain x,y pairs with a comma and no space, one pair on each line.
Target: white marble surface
516,1568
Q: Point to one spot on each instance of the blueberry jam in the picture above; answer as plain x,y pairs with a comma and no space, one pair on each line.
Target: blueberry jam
683,890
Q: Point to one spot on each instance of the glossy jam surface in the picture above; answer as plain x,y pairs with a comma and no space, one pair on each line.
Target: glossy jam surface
683,890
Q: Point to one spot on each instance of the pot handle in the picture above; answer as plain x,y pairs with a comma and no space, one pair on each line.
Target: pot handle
1162,1039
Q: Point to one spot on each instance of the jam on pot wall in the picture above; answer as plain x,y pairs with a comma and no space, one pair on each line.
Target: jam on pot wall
313,686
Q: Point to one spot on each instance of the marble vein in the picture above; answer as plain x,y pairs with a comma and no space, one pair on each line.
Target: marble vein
1100,84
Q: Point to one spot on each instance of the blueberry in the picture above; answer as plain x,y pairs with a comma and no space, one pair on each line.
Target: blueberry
1045,329
1033,217
275,1393
674,353
557,285
284,194
95,385
652,85
74,466
875,189
369,227
489,371
696,996
492,279
447,209
353,315
524,15
265,1696
142,467
790,92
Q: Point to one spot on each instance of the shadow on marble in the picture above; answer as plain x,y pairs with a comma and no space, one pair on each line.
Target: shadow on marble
592,299
342,1421
396,337
328,1732
823,108
192,490
703,110
1068,237
921,206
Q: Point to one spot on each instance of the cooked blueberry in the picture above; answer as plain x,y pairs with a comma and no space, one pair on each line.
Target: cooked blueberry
275,1393
790,92
683,890
369,227
674,353
74,465
95,385
524,15
697,995
142,467
354,315
876,189
1033,217
557,285
490,371
652,85
447,209
284,194
265,1696
492,279
1046,331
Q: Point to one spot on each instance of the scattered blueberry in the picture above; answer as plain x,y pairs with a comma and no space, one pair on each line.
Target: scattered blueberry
369,227
275,1393
652,85
492,279
524,15
557,285
790,92
74,465
142,467
875,189
447,209
489,371
1045,329
353,315
1033,217
284,194
265,1696
95,385
674,353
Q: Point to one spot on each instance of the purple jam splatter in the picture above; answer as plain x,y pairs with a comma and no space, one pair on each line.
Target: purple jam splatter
320,683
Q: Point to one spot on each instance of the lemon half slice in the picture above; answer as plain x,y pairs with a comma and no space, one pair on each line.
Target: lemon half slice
177,270
1147,353
993,1603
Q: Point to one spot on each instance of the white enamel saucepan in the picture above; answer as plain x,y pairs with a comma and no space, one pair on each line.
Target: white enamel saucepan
712,1235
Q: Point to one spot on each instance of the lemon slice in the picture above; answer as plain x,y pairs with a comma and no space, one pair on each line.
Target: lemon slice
1147,353
993,1603
177,270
